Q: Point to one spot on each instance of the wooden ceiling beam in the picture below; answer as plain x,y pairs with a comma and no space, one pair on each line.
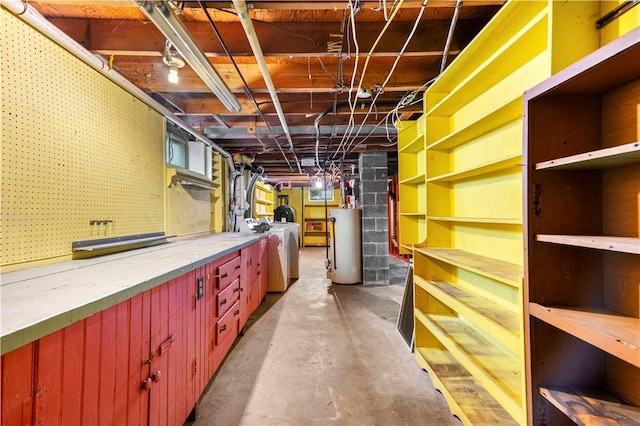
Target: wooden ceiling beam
294,39
331,4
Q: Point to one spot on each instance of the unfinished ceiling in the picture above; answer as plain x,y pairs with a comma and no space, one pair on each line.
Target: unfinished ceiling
318,54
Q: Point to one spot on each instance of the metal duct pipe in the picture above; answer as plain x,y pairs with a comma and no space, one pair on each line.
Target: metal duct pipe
247,24
31,16
251,189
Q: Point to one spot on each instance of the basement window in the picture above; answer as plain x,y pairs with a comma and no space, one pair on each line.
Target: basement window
176,151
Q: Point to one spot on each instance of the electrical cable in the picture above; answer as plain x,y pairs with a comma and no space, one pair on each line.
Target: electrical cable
364,70
393,67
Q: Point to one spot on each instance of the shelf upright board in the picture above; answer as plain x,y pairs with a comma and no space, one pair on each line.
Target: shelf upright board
582,182
411,184
468,291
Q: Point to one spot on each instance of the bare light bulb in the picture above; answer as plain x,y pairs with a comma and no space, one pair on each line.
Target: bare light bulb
318,184
173,75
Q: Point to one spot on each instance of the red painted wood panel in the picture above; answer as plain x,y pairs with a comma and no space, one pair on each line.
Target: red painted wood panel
264,267
189,300
93,371
159,334
106,384
91,380
174,371
123,325
139,350
200,380
48,379
245,286
211,309
73,339
17,386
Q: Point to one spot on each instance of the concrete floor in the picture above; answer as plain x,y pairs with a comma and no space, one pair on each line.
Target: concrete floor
324,354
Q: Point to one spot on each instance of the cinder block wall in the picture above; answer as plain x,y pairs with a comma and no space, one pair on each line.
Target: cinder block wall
375,219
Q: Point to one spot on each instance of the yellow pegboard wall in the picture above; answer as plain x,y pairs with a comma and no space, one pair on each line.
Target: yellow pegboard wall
188,211
75,148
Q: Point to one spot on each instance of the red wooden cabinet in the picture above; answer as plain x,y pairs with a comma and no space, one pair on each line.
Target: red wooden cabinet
143,361
90,372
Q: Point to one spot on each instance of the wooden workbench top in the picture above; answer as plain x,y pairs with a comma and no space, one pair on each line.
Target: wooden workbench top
38,301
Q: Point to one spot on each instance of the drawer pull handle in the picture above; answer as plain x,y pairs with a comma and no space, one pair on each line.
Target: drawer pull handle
236,312
223,328
223,302
225,275
236,290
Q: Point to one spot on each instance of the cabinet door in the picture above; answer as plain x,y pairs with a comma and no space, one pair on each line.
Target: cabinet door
17,386
173,343
90,372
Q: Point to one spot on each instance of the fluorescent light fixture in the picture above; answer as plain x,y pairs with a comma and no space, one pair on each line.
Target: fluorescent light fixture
161,14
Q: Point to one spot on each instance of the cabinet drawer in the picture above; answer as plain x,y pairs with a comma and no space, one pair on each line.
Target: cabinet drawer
228,324
227,297
227,273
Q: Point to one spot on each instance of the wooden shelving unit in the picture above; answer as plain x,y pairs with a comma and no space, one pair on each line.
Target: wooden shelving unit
315,231
583,240
465,213
263,201
411,184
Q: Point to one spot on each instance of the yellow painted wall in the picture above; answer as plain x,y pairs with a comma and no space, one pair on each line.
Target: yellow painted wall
75,148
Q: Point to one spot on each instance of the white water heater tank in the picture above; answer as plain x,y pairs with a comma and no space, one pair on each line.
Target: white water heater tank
345,258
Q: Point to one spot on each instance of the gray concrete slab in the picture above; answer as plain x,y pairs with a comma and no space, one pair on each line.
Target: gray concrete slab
323,354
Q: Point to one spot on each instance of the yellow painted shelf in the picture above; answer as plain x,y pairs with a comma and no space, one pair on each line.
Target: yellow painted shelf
498,373
471,250
263,200
510,161
414,145
413,179
492,120
493,70
603,328
492,318
411,183
499,270
489,220
467,399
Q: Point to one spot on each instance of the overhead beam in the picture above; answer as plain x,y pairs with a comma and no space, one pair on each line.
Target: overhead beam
332,4
241,132
289,39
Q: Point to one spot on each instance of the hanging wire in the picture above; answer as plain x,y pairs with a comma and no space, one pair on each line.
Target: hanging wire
347,135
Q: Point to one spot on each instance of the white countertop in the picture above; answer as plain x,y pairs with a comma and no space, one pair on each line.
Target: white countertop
38,301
